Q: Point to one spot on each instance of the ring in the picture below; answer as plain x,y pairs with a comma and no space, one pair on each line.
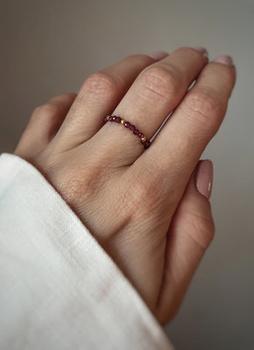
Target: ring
113,118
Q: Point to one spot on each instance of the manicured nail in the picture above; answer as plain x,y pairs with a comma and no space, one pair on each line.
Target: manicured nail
204,178
202,50
158,55
224,59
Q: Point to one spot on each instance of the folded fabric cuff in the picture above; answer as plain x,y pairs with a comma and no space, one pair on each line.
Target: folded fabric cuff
59,289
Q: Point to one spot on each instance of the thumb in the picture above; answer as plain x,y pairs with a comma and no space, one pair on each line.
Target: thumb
190,234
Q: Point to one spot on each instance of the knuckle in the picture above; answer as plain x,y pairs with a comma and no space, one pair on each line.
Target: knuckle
72,186
161,82
72,192
139,59
144,195
53,106
205,108
81,184
47,109
100,83
67,96
191,52
185,50
202,229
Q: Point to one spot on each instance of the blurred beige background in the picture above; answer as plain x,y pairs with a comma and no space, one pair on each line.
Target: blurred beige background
51,46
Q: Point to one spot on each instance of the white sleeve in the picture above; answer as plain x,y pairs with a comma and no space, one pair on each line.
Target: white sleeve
58,287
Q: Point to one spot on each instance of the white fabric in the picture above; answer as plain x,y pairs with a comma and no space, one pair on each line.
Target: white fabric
58,288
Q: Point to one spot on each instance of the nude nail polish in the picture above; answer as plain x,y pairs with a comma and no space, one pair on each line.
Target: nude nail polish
224,59
203,50
158,55
204,178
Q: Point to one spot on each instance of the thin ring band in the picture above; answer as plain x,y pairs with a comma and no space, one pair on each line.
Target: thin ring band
113,118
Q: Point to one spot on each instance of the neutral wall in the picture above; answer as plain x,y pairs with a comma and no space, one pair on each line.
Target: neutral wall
51,46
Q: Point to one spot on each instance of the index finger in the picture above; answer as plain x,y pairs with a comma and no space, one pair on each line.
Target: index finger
180,143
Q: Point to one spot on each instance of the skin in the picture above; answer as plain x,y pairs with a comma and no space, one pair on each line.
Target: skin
141,206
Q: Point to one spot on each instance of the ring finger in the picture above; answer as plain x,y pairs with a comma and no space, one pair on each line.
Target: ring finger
99,96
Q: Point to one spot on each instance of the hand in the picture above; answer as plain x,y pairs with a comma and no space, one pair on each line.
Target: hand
142,206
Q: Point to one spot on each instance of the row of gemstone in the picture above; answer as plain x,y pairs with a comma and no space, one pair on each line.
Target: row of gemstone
143,139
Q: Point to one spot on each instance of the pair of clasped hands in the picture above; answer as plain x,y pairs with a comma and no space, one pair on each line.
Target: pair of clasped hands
149,209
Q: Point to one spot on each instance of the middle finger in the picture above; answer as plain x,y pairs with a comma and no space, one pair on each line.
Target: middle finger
155,93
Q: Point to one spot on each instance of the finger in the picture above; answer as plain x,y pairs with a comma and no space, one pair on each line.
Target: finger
99,96
44,124
154,94
181,141
190,234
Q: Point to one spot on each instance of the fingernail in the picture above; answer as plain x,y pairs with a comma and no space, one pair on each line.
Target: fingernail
204,178
224,59
158,55
202,50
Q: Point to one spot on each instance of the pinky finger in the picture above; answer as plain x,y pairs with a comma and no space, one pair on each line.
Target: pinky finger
44,124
